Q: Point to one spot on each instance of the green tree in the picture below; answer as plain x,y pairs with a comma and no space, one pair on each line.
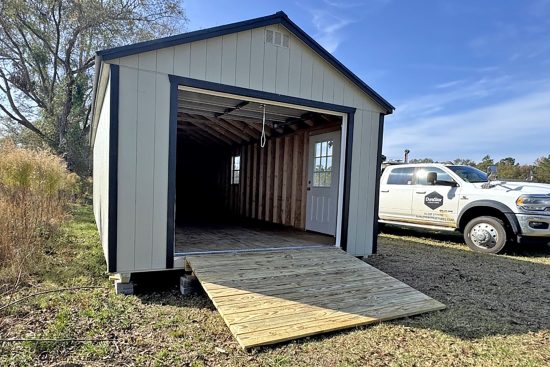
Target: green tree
541,171
422,160
47,52
485,163
464,162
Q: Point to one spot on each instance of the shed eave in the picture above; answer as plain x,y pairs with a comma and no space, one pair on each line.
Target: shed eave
277,18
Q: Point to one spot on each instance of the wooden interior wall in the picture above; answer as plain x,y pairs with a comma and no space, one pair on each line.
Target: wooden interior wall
273,180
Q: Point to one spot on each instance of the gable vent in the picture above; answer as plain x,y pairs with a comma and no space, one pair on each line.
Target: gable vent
277,38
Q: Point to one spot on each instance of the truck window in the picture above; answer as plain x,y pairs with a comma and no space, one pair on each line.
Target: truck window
421,176
401,176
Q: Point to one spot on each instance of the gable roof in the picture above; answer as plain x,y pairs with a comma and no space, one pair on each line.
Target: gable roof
277,18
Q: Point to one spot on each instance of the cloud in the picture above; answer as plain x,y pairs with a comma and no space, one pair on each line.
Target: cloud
328,27
330,19
517,127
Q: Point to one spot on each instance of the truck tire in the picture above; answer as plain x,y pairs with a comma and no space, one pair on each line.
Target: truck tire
486,234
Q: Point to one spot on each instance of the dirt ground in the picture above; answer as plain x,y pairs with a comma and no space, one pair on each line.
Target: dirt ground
498,313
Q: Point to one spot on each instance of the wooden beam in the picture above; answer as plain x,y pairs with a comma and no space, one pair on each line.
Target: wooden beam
231,109
258,127
261,182
230,128
305,174
212,132
278,180
287,180
217,128
243,127
269,179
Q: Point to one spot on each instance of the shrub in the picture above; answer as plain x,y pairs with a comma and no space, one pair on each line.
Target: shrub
35,188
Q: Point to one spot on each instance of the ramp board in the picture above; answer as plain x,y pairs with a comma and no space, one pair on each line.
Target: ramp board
271,297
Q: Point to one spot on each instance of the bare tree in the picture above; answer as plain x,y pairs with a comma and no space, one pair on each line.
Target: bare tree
47,50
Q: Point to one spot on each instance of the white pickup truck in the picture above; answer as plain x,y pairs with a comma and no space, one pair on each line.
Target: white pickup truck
488,212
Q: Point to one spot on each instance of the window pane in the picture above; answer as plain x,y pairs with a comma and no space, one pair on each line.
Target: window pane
237,162
317,149
401,176
324,164
330,145
328,179
318,165
324,148
422,175
316,179
329,163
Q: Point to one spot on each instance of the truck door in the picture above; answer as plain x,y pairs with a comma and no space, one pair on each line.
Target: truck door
396,192
435,203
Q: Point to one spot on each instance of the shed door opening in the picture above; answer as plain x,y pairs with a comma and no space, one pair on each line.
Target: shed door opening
232,194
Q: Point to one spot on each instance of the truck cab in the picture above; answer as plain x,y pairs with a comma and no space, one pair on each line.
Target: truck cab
490,213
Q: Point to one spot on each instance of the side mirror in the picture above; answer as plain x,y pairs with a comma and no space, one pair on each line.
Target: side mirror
432,178
492,170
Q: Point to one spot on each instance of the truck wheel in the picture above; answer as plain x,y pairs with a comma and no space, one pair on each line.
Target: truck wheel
485,234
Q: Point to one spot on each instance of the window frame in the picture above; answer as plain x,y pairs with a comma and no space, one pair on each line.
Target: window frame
431,169
233,170
323,157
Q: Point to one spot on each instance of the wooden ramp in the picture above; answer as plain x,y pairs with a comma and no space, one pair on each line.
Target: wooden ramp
271,297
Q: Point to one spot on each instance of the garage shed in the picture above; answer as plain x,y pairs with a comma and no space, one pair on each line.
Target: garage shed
245,137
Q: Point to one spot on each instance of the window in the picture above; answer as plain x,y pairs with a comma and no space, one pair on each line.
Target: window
277,38
422,175
401,176
235,169
322,169
469,174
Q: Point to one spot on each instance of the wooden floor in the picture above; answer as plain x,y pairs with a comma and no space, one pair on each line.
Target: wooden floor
233,237
271,297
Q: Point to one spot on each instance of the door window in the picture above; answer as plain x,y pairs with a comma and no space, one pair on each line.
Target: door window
422,175
322,169
401,176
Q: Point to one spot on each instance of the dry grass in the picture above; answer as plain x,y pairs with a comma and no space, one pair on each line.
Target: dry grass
497,314
34,190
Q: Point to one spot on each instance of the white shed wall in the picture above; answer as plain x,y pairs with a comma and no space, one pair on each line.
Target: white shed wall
244,60
101,170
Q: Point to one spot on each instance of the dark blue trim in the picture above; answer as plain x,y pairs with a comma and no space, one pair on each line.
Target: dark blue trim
277,18
172,155
377,192
175,81
113,171
252,93
347,182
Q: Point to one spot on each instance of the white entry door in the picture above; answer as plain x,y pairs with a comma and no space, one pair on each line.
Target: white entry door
322,185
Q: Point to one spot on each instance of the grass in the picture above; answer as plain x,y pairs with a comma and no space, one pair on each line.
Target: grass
497,313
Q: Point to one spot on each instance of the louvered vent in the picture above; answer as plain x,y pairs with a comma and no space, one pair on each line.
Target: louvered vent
277,38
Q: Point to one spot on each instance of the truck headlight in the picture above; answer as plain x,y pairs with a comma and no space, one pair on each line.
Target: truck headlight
534,203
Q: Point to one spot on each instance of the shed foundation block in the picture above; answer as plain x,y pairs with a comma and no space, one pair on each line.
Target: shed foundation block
188,284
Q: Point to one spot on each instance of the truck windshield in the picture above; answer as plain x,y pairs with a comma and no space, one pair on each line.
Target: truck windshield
469,174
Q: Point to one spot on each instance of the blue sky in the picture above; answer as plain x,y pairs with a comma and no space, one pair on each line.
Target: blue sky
467,77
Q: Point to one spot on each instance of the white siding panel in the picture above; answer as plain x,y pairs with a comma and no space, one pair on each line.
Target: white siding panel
270,68
242,78
306,74
257,50
338,90
145,170
127,140
198,60
363,183
165,60
129,61
295,67
101,171
229,59
283,69
214,59
182,59
328,86
147,61
317,80
162,119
